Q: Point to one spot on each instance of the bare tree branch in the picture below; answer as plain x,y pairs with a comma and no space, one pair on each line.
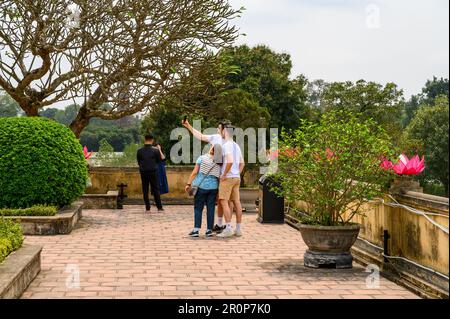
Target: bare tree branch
123,53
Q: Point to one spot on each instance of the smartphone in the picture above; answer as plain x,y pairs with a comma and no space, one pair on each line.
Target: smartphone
184,119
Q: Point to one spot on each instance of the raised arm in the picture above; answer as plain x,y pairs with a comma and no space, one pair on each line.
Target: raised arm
198,135
163,157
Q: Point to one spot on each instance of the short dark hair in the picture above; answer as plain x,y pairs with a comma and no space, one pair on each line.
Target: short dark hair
148,137
224,124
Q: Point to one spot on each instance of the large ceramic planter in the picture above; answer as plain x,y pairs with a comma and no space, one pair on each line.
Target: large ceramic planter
329,246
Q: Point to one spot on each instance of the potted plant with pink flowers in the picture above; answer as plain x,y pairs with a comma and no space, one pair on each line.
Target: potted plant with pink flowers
334,167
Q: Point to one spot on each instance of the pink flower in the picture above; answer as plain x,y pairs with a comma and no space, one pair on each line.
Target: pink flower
273,155
413,166
290,152
386,164
329,153
86,154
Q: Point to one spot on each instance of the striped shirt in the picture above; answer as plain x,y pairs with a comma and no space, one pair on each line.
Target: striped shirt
210,178
207,164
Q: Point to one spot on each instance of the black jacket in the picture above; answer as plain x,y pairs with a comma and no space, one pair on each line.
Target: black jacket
148,157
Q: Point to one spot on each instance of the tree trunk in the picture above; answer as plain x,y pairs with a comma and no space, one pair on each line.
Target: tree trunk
29,109
80,122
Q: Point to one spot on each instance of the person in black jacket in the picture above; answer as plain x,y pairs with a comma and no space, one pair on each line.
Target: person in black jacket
148,158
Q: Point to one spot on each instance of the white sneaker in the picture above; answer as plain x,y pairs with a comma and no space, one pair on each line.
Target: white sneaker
238,233
227,232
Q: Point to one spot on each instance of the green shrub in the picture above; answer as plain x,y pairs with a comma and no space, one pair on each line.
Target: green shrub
5,248
11,237
41,163
37,210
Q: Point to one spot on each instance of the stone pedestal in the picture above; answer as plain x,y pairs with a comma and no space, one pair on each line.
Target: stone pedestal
328,260
403,184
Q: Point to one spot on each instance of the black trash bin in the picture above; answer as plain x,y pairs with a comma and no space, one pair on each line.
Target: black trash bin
271,206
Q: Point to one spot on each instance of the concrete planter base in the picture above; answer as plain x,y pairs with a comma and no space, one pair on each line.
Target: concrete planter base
18,270
60,224
328,260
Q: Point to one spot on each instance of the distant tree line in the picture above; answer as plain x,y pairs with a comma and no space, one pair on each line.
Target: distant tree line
118,133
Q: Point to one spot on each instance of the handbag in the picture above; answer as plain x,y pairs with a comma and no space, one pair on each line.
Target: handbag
194,189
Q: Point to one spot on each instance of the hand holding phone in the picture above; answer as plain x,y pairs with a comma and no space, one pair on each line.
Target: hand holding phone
185,121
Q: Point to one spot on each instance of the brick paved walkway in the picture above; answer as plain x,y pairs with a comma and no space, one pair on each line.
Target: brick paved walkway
127,254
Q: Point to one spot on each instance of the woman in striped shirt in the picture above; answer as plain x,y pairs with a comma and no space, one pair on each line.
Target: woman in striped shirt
205,176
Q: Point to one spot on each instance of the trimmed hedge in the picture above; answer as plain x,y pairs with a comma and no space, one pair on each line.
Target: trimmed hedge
37,210
11,237
41,163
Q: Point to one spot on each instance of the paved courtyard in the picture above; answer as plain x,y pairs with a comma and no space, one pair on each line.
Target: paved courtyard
128,254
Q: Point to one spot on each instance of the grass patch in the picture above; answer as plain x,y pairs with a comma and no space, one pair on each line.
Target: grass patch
37,210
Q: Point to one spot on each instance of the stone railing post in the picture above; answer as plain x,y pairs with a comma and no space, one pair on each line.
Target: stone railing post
404,184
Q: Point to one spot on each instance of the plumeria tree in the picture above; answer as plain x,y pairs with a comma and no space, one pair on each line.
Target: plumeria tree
334,166
126,54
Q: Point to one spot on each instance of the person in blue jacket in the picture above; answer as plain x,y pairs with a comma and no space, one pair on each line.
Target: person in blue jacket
161,172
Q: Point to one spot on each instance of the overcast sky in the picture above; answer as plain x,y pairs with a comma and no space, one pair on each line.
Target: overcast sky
400,41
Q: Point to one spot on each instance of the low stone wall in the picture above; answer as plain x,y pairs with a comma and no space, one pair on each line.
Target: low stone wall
18,270
60,224
412,236
248,198
100,201
106,179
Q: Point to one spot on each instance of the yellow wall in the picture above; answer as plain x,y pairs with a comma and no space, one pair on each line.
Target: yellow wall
106,178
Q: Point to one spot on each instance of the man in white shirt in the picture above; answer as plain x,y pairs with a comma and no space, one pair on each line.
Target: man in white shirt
230,181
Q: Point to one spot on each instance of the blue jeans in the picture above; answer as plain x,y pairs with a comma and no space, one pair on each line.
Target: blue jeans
208,197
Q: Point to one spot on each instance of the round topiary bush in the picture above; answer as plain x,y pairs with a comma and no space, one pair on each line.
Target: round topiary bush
41,162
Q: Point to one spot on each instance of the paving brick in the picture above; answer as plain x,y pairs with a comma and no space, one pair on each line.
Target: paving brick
334,296
119,257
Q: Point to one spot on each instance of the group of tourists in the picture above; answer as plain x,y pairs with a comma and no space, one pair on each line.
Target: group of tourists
215,179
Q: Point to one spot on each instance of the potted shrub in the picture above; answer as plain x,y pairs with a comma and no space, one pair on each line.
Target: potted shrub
333,166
